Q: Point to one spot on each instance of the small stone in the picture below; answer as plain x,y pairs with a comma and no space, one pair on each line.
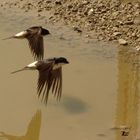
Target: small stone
137,48
134,34
117,33
125,130
70,6
26,10
115,29
137,5
138,40
137,21
77,29
85,2
129,22
122,42
125,133
48,1
39,10
58,2
50,17
120,22
90,12
114,14
87,36
137,13
100,37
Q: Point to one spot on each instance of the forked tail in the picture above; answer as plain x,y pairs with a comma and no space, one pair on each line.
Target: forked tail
8,38
25,68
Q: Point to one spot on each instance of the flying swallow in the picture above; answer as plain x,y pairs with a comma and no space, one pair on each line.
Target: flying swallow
34,35
50,76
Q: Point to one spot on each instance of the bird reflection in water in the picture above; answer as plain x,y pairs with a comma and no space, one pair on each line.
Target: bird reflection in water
32,132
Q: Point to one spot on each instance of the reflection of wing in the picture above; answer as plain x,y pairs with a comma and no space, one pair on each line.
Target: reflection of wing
34,127
32,131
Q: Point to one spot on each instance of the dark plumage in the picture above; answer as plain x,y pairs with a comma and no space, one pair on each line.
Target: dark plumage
50,76
34,35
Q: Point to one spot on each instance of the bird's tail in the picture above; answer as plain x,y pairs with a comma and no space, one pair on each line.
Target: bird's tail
25,68
8,38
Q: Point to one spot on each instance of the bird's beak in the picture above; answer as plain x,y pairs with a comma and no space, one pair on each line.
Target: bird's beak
49,34
25,68
67,62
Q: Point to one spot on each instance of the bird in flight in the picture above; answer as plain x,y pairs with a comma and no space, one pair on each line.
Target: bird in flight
50,76
34,35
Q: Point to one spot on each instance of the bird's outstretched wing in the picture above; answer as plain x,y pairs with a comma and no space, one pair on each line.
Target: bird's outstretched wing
57,82
36,43
50,79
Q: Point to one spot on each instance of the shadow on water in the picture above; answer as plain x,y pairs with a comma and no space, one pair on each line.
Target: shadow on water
73,105
127,95
32,132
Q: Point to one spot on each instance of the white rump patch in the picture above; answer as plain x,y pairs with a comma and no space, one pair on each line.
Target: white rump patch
32,65
21,34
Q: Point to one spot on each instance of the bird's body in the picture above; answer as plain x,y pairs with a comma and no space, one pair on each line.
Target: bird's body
50,76
34,35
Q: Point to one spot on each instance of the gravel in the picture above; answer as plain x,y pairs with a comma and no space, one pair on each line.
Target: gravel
111,19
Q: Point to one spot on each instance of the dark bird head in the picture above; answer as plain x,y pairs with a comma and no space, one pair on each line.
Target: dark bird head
45,32
61,60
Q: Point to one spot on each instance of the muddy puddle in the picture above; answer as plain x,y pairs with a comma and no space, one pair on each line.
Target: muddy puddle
100,98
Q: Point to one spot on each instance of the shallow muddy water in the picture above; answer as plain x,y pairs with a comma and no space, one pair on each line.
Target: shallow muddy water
100,98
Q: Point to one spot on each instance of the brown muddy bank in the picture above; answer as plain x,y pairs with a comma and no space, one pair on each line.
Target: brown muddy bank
112,20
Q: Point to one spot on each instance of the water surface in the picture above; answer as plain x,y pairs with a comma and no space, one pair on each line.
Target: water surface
100,86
